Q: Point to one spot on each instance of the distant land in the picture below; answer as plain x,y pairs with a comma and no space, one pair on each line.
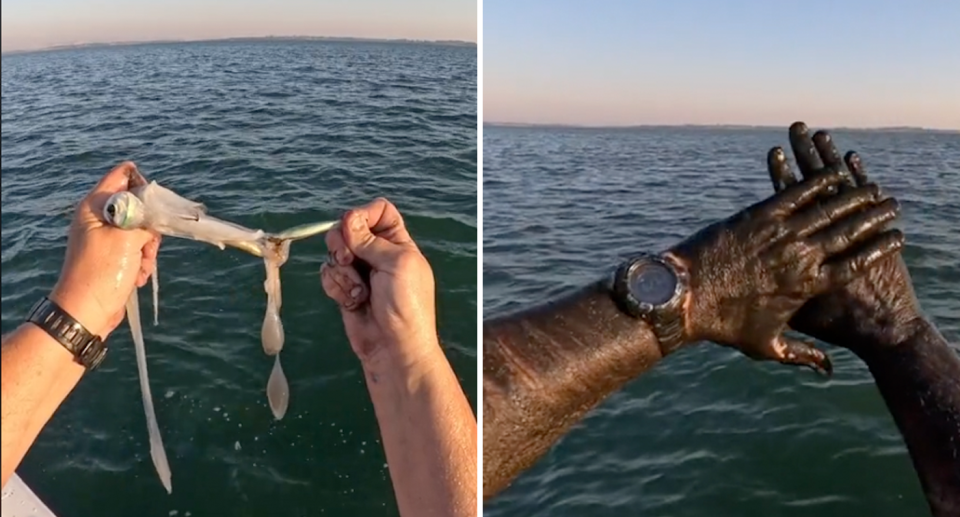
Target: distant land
331,39
729,127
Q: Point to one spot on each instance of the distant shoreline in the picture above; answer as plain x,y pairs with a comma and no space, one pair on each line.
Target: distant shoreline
329,39
727,127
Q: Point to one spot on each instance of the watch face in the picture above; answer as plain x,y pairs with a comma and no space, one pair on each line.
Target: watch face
653,283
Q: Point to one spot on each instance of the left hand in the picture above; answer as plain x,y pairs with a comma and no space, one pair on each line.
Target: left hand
103,264
749,273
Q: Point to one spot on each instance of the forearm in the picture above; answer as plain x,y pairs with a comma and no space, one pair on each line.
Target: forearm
920,383
545,368
429,434
38,374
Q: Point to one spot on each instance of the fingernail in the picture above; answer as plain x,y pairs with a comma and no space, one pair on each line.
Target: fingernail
356,223
355,292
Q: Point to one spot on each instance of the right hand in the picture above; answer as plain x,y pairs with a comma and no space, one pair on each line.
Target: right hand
750,273
400,318
879,307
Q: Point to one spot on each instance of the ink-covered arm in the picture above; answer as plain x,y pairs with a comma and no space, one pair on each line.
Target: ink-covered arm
878,318
738,282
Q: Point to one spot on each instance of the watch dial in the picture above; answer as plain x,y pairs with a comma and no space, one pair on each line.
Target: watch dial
653,283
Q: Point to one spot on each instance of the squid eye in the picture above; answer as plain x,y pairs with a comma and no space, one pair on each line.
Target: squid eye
112,209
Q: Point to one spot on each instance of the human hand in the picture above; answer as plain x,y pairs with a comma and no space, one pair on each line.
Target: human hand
879,307
103,264
750,273
400,318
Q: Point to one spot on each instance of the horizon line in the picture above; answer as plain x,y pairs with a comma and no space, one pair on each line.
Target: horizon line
172,41
547,125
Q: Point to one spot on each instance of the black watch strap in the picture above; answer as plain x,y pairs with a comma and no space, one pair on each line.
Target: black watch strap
87,348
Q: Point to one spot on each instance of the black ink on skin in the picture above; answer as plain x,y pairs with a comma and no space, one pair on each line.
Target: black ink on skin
546,367
879,319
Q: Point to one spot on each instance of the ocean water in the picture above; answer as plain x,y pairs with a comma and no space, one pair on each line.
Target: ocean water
270,135
707,432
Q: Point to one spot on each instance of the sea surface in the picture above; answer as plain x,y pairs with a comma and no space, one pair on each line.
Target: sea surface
707,432
269,135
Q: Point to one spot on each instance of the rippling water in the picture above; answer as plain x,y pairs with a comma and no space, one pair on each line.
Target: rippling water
270,135
707,432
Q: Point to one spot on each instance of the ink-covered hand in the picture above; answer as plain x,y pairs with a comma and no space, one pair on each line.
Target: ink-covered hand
877,308
750,273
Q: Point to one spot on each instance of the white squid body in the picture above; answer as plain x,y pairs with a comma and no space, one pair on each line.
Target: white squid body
271,333
158,209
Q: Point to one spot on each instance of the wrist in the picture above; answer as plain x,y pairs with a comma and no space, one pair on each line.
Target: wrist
655,289
918,330
83,308
913,337
407,355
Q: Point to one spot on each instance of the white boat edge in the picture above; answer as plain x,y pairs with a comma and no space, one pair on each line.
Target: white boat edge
19,501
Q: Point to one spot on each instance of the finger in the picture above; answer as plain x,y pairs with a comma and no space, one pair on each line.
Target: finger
857,228
779,169
384,221
142,278
822,215
804,151
855,166
120,178
148,260
331,287
799,353
337,246
826,150
376,251
799,194
352,284
840,272
147,268
343,285
152,248
830,157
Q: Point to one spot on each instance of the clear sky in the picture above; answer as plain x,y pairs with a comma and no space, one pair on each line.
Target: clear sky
30,24
830,63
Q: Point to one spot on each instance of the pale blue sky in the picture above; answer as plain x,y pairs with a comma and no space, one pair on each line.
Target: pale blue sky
28,24
606,62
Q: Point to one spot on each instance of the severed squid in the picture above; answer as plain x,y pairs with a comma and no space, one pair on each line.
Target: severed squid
158,209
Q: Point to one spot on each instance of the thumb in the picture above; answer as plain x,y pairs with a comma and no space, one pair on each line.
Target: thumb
801,353
376,251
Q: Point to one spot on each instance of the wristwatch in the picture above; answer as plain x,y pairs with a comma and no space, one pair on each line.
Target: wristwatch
87,348
651,288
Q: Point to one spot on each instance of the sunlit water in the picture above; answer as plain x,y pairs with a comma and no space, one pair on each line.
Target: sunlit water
270,135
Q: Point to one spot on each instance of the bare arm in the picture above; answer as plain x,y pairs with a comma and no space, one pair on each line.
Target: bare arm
429,433
38,374
545,368
103,265
389,313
